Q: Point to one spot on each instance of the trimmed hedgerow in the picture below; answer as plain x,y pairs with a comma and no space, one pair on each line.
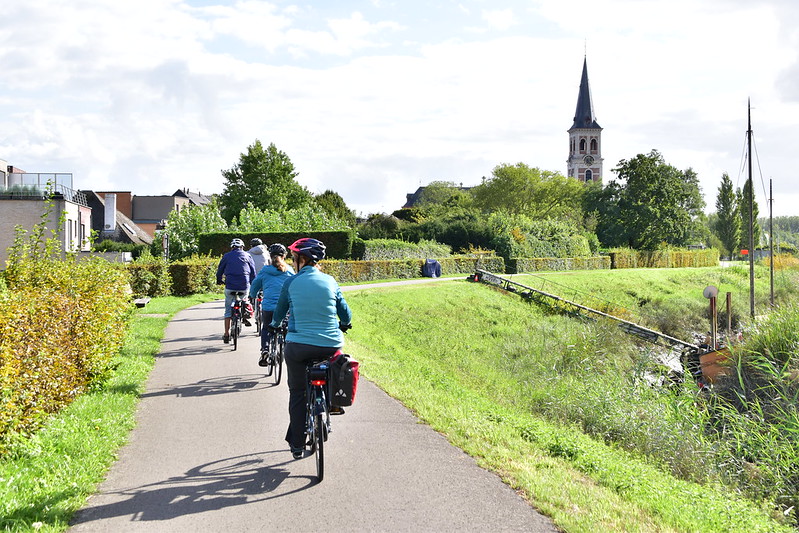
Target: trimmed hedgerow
359,271
149,276
194,275
61,322
666,258
538,264
388,249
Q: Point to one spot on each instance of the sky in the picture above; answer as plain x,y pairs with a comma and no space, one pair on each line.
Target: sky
373,98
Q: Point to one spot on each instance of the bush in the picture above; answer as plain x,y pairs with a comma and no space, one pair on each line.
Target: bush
388,249
149,276
666,258
61,322
360,271
539,264
194,275
113,246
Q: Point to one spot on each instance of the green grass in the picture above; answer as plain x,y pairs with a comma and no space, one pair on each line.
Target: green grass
550,404
45,479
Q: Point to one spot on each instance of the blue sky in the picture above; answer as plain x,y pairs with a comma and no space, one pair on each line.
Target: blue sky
374,98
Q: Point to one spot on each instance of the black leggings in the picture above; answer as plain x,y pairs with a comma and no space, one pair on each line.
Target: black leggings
297,358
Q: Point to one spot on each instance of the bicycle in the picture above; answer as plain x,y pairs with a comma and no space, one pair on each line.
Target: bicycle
258,316
236,317
275,350
317,425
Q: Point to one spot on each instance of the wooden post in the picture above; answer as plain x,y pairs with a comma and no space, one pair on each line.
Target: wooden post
713,324
729,317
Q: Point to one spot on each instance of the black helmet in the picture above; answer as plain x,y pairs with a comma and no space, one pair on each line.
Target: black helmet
311,248
237,243
256,242
277,249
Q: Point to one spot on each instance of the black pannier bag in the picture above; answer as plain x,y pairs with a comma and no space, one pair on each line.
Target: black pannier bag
343,380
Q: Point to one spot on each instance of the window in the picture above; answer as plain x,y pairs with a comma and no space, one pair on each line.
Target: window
589,176
582,146
593,146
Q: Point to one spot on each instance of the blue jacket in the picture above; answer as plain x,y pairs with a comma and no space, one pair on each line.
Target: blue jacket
238,269
315,306
270,280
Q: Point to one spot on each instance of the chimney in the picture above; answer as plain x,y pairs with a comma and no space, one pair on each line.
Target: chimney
110,214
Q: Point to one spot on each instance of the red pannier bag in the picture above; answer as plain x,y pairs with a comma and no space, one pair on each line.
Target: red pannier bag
343,380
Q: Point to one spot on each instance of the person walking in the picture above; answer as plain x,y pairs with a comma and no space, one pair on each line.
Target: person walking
238,269
318,315
270,280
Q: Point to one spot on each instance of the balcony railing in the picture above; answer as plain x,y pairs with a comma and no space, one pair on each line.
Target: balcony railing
38,185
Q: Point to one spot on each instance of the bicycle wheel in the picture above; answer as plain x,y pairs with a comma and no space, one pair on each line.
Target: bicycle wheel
319,444
278,358
234,330
258,324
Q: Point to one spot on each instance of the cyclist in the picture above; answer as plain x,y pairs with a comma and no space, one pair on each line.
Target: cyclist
259,253
238,269
270,280
318,313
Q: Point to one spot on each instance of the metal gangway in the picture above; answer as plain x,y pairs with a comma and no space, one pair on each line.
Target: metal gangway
627,326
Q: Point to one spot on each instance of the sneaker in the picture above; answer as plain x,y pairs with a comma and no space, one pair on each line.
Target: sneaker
226,339
264,360
297,452
246,322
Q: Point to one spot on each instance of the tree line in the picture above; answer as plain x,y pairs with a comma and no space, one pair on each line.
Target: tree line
519,210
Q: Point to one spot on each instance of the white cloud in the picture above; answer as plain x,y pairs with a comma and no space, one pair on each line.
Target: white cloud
500,19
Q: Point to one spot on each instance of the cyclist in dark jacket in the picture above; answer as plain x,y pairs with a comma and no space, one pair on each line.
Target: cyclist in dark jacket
238,269
317,312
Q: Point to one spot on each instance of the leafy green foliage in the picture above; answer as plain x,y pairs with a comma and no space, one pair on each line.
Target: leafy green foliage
728,224
149,276
184,226
108,245
194,275
381,249
305,218
334,206
651,204
61,322
264,177
520,236
742,196
520,189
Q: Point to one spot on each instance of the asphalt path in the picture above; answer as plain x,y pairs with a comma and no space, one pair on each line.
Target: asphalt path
208,454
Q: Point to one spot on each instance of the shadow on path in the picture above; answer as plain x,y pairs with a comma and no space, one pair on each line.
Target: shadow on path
225,483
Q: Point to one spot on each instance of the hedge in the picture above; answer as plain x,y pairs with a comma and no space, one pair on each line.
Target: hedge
194,275
670,258
538,264
360,271
61,323
338,243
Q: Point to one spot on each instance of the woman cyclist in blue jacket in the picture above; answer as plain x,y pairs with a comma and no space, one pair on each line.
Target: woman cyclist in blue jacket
270,280
317,310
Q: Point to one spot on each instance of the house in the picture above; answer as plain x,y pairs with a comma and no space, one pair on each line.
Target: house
108,221
148,212
24,203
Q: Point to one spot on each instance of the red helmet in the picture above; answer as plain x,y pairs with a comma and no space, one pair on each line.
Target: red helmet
311,248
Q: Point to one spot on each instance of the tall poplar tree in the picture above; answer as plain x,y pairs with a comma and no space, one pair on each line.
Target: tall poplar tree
743,209
728,224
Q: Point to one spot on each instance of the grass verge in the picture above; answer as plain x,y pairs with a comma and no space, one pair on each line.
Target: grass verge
528,396
45,479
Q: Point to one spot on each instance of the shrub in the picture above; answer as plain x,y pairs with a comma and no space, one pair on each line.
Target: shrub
61,322
108,245
388,249
149,276
194,275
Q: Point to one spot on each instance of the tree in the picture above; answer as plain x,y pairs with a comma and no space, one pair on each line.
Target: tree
652,204
743,204
728,224
333,204
185,225
519,189
265,178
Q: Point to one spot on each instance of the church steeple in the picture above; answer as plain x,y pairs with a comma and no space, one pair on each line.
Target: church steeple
585,136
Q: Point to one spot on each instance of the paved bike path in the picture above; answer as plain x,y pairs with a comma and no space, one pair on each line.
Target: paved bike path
208,455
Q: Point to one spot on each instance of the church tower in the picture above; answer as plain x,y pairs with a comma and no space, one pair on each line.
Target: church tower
585,137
